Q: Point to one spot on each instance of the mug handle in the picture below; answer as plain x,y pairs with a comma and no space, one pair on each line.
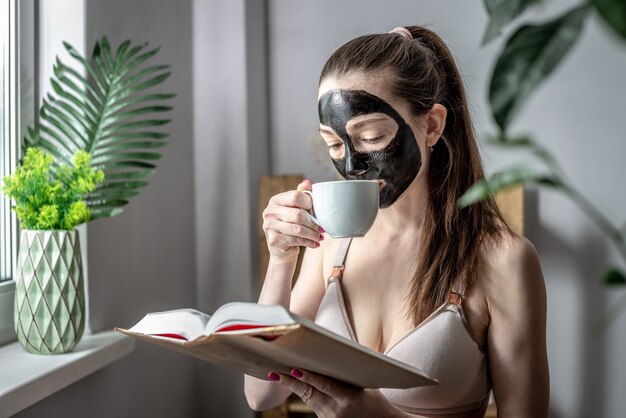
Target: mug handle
313,218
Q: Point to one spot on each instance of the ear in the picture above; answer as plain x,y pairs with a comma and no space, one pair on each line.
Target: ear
436,120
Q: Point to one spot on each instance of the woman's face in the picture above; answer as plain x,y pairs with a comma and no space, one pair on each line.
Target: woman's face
369,134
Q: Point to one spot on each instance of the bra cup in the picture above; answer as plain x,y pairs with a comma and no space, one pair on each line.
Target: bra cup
440,347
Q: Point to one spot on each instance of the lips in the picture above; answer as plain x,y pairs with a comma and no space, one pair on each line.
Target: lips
381,184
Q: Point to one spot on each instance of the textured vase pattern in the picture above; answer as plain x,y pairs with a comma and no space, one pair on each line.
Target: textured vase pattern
49,295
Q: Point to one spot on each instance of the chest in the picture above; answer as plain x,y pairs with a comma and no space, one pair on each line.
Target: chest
374,284
374,288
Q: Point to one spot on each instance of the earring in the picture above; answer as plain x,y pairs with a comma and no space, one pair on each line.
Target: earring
431,148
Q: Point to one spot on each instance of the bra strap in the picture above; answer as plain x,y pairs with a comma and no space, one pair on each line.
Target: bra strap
340,260
458,288
456,294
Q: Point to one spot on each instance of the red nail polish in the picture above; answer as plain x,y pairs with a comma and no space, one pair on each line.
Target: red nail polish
296,373
321,237
273,377
319,228
317,244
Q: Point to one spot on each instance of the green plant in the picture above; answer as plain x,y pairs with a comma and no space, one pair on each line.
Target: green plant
46,199
103,111
529,56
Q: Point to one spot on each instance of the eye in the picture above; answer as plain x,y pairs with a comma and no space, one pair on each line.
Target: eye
336,146
373,140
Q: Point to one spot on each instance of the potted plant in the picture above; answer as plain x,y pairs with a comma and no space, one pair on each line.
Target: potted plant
49,310
89,152
530,55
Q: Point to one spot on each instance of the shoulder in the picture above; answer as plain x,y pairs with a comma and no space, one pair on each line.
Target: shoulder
509,249
511,275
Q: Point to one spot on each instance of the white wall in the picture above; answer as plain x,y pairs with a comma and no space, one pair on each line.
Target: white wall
577,115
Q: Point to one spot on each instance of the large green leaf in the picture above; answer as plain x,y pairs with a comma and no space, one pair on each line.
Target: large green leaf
109,111
614,13
529,57
486,188
502,12
613,277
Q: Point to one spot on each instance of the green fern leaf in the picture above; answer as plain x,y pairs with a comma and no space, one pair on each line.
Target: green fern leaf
110,111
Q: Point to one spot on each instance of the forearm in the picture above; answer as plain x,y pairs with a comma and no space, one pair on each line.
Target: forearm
262,394
277,284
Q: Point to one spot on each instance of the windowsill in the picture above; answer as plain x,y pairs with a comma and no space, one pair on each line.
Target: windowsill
7,296
28,378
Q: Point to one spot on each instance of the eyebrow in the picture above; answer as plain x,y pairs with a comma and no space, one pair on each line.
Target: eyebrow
327,131
359,125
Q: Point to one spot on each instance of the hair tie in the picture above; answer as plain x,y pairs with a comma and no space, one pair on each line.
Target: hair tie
402,31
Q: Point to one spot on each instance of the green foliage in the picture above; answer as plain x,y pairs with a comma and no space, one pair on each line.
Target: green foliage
52,199
106,114
528,58
613,276
614,13
502,12
530,55
485,188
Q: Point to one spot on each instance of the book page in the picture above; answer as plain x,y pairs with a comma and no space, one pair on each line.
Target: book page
236,316
186,324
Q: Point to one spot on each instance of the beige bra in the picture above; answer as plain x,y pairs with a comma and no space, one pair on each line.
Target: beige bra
440,346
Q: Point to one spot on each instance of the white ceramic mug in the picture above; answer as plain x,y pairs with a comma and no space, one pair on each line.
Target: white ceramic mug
345,208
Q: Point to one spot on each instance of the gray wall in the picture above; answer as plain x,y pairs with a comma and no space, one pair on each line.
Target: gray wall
144,259
577,114
231,151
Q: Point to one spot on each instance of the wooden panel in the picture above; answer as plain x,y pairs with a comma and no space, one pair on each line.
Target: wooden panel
280,411
491,411
511,203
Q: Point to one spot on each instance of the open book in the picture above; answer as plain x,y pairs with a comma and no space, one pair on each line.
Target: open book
256,339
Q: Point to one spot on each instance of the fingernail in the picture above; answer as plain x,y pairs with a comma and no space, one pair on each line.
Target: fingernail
317,244
319,228
321,237
296,373
273,377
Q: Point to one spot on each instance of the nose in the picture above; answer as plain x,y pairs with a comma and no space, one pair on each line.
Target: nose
356,164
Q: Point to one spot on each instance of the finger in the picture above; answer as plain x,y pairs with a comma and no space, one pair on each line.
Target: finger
291,235
305,185
278,221
276,237
293,199
324,384
295,216
309,395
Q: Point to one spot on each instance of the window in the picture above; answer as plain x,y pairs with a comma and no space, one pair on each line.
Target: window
17,104
7,117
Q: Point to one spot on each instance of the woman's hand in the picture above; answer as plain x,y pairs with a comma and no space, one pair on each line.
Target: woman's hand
330,398
287,224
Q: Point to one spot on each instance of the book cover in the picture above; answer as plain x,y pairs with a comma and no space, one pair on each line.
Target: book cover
255,350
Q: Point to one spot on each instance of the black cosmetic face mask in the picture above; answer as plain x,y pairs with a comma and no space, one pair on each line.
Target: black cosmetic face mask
397,164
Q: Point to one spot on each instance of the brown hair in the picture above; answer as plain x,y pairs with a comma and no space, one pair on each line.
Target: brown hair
424,73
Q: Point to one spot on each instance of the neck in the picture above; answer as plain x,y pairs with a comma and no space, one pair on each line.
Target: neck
405,215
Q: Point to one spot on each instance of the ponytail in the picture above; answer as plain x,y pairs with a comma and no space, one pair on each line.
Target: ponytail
422,72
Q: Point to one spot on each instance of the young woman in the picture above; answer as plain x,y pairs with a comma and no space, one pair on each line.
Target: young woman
451,291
